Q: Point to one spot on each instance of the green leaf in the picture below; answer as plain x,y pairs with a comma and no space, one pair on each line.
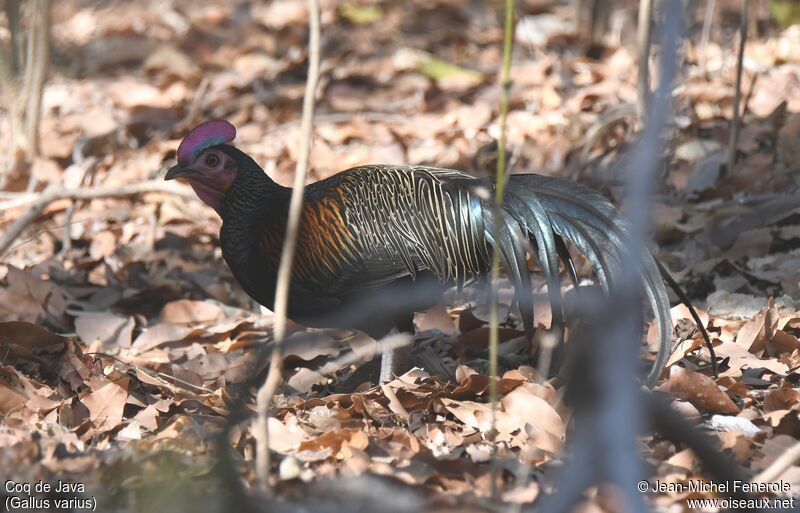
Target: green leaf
785,12
438,69
360,14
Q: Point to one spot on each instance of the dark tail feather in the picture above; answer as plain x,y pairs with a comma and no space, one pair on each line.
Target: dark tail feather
685,300
536,225
504,235
566,258
590,223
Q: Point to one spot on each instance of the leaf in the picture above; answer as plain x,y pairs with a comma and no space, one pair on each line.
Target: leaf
187,311
107,403
472,414
332,445
781,399
706,173
109,330
733,424
159,334
754,335
527,407
539,30
12,390
22,340
700,390
438,69
360,14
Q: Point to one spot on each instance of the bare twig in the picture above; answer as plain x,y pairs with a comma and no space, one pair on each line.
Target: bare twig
267,390
89,168
55,192
196,105
704,39
548,344
23,70
734,142
779,466
36,70
500,182
645,20
721,467
15,54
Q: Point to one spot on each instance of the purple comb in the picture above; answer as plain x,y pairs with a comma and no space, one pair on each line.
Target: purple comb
202,136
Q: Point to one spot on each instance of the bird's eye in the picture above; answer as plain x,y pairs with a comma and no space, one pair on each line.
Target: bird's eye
212,160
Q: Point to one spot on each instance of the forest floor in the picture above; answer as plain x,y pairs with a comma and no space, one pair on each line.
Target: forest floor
126,344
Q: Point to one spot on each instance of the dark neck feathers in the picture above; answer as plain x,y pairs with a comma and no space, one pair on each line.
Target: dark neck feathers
249,203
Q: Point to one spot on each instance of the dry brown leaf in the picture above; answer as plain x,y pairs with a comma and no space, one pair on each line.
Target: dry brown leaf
103,244
782,399
754,335
12,393
187,311
107,403
700,390
109,331
22,340
527,406
158,334
332,445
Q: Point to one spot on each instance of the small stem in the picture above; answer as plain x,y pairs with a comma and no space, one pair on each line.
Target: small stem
734,142
37,203
645,21
14,21
779,466
267,390
704,39
36,72
500,183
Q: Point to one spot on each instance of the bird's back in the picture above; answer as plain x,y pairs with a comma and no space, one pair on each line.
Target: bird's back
365,228
406,219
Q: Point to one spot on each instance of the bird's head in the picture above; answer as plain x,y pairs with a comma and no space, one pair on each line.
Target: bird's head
206,162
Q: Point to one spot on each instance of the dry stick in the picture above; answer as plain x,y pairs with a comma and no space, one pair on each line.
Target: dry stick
704,39
55,192
22,76
14,23
89,168
10,64
738,96
645,21
779,466
198,99
548,344
500,183
36,71
267,390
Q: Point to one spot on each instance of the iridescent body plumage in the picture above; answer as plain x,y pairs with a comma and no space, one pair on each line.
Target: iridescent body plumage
378,243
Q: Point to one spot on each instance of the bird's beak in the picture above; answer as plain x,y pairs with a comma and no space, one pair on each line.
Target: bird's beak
178,171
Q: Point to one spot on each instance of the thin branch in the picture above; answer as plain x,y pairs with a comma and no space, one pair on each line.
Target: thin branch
645,21
779,466
36,71
734,142
14,22
547,346
267,390
704,39
89,167
57,192
500,185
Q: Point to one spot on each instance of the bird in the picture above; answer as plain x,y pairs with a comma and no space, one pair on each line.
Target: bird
378,243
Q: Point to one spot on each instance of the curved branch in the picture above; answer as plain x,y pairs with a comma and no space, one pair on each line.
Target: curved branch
39,202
